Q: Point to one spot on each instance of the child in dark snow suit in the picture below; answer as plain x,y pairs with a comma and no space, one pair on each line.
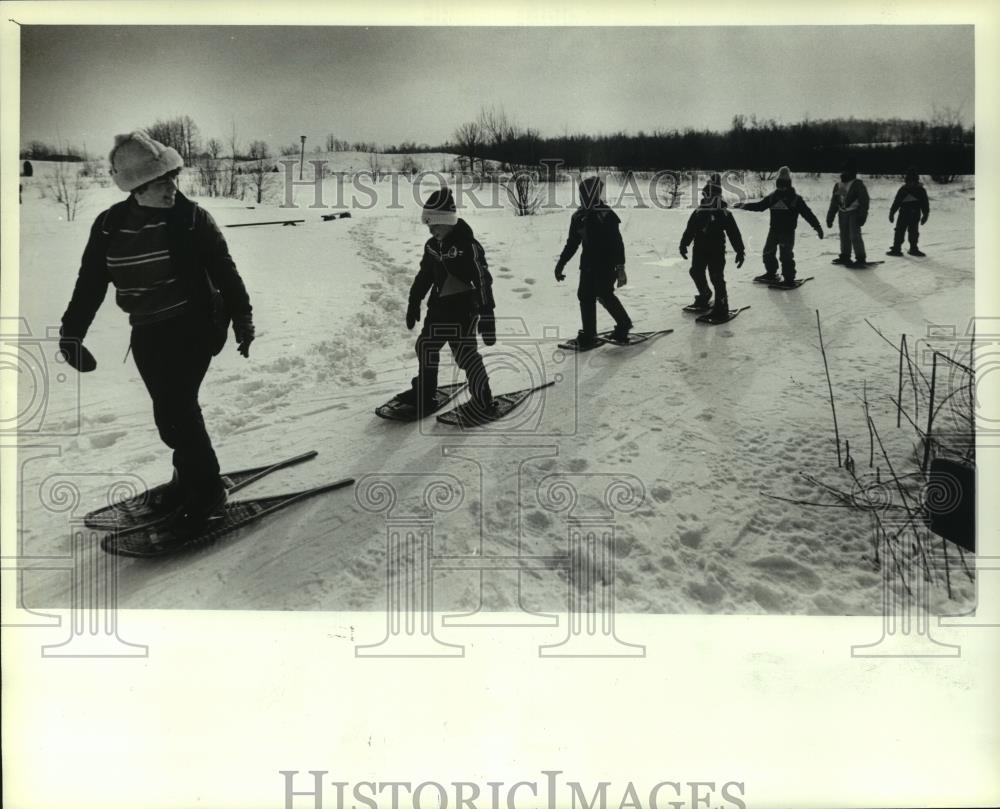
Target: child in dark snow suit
708,226
849,202
913,206
602,262
173,275
453,270
785,207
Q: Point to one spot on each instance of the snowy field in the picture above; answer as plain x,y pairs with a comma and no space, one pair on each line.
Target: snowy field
705,422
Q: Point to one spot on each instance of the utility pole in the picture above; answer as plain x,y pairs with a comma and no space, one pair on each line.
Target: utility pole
302,157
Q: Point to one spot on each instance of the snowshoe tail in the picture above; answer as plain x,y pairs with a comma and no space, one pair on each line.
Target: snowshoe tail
140,511
715,321
636,337
157,541
470,415
395,410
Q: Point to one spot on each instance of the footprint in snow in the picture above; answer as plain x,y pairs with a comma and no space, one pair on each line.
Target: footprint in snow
105,440
661,494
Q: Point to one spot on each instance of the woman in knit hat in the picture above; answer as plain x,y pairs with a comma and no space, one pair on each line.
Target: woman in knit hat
175,279
785,206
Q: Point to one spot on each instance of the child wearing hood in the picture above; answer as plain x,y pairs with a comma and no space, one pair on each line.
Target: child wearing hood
602,262
849,202
913,206
453,270
708,226
785,206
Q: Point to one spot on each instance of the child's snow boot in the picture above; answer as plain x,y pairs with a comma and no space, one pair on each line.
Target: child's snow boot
915,251
620,333
415,398
197,509
721,309
482,401
894,251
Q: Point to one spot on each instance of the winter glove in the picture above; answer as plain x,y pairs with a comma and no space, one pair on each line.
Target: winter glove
819,232
923,219
75,354
683,251
892,215
412,315
739,259
488,327
622,277
560,276
829,221
244,331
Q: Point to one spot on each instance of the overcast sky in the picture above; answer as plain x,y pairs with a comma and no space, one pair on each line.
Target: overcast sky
85,83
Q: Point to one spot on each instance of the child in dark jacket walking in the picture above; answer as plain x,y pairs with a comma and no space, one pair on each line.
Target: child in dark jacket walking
913,207
785,206
602,262
453,270
849,202
708,226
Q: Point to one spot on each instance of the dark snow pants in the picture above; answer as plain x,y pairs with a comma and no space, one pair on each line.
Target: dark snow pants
714,262
456,326
908,223
780,243
599,287
173,357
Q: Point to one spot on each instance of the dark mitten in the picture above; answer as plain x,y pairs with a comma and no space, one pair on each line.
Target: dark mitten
244,331
560,275
488,328
76,355
740,258
412,314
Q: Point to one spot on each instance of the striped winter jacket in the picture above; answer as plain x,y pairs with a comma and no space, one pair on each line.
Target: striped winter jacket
455,273
199,258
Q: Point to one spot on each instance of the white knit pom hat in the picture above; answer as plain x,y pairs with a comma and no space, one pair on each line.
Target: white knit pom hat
137,159
440,209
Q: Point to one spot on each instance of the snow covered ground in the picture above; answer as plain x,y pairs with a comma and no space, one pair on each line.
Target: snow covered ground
706,419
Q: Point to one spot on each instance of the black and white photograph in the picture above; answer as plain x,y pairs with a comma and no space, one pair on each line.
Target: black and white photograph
447,345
